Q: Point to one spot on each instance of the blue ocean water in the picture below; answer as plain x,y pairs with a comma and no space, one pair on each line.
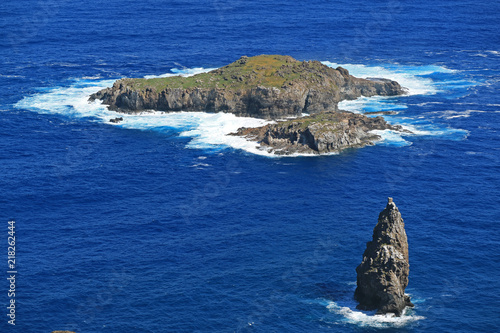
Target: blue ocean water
166,224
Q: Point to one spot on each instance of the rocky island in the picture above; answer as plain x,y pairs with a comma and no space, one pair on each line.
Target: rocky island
266,86
322,133
382,276
270,87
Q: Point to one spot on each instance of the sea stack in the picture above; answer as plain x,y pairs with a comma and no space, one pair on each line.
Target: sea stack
383,273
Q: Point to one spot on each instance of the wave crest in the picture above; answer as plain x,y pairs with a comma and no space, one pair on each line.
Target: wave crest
365,319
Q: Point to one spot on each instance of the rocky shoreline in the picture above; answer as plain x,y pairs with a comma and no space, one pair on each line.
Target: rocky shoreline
323,133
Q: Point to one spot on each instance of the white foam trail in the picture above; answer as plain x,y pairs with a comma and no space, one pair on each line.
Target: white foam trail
391,138
70,101
456,134
185,72
213,129
12,76
364,319
367,104
409,77
428,103
451,114
417,131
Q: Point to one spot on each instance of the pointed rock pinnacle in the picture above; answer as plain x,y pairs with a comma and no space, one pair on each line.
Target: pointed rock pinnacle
382,276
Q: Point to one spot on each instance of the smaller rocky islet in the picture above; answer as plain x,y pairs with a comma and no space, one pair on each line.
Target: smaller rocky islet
322,133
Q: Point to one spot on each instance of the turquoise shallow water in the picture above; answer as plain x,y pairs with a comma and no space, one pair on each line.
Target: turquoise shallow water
166,224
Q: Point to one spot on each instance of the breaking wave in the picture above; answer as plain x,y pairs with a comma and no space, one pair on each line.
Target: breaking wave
185,72
414,78
370,319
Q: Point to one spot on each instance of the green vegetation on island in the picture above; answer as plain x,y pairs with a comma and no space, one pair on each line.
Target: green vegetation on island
265,70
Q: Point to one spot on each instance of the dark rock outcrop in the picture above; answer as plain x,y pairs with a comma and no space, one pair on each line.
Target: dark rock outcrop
377,113
267,86
326,132
383,273
116,120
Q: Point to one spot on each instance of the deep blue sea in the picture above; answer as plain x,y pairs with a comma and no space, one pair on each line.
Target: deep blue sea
164,223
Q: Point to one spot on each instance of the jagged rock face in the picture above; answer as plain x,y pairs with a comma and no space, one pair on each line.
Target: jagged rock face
326,132
268,87
383,273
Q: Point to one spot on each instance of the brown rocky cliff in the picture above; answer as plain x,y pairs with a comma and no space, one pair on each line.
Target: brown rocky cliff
382,276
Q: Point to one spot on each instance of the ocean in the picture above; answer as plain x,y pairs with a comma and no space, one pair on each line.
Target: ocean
164,223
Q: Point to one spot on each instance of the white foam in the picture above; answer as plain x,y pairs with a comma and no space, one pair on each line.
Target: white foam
197,165
416,131
454,84
394,138
213,129
451,114
95,77
391,138
428,103
368,104
369,319
455,134
185,72
12,76
410,77
70,101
